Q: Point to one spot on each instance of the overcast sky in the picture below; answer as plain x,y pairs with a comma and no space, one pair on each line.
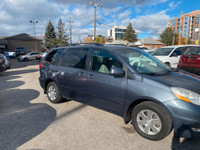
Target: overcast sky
148,17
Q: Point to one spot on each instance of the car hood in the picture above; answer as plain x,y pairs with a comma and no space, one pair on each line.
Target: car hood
180,79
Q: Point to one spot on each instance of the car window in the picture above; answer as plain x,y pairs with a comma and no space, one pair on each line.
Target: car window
192,51
54,57
103,62
179,50
75,57
162,51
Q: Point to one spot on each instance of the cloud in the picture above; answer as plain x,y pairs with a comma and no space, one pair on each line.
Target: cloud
173,5
154,23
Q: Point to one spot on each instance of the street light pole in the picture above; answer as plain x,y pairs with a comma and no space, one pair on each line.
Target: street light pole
34,22
95,4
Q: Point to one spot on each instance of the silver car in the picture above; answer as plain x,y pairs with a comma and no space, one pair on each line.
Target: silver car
6,63
29,56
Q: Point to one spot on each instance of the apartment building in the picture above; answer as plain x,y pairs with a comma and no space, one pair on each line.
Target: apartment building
188,25
116,33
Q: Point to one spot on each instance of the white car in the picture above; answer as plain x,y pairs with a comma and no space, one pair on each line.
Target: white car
170,55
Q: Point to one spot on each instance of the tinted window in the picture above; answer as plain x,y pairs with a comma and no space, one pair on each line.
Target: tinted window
103,62
162,51
180,50
75,57
54,57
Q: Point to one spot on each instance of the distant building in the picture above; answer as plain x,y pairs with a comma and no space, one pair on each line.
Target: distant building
117,33
90,38
149,43
20,40
187,25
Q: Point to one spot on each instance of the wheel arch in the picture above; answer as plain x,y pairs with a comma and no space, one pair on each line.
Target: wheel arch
127,116
46,83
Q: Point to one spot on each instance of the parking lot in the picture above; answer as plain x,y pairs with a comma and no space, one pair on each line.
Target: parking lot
29,121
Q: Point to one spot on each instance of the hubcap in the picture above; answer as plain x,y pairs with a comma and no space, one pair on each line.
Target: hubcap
149,122
52,93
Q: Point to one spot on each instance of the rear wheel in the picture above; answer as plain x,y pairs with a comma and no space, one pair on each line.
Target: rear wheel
53,93
151,121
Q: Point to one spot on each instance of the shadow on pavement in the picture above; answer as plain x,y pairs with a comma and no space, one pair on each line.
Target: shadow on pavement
20,120
190,143
14,63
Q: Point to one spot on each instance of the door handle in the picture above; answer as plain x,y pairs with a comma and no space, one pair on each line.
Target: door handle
80,74
90,76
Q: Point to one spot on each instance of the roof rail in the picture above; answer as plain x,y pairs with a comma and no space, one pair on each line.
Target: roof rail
93,44
76,44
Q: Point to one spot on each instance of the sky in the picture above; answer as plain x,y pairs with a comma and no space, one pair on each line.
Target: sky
148,17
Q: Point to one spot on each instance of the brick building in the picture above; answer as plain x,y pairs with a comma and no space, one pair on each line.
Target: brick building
187,25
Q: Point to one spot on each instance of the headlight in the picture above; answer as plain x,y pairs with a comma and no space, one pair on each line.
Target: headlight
186,95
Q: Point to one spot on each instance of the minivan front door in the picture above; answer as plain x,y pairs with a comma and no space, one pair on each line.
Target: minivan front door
106,91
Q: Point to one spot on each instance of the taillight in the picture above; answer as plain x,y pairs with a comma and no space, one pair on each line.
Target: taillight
40,66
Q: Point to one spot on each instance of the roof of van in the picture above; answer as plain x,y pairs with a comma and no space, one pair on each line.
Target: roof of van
175,46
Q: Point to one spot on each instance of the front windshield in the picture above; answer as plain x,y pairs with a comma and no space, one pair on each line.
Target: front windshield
143,62
162,51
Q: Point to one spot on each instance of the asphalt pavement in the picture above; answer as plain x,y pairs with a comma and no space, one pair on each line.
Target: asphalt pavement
29,121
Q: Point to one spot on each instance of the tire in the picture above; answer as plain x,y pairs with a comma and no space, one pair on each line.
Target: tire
142,116
25,59
53,93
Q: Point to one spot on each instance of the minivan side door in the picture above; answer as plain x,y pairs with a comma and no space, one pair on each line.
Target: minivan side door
106,91
72,74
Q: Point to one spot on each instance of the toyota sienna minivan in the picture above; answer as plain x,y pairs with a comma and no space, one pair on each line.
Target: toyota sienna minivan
127,82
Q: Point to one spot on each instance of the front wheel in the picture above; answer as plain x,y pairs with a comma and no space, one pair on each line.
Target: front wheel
151,121
25,59
53,93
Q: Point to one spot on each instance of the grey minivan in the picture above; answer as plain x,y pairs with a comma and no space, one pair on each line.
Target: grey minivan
127,82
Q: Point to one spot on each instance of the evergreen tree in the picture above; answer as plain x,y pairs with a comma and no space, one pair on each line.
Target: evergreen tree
130,34
167,36
61,36
49,35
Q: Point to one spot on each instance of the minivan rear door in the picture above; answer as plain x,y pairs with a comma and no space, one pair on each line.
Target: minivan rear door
72,76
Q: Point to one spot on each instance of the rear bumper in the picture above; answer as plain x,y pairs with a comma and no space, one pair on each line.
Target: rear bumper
2,68
190,69
42,83
186,118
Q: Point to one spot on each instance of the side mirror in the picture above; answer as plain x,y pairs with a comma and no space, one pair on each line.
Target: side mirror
118,72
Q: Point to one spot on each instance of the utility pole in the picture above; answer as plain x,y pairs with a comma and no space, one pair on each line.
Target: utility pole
34,22
95,4
180,28
70,28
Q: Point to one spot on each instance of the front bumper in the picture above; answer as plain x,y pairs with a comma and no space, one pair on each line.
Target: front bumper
186,118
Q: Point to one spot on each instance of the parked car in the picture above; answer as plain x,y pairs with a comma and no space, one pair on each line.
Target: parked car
4,63
21,51
170,55
29,56
190,60
127,82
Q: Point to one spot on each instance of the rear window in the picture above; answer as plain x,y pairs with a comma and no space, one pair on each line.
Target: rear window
192,51
54,57
162,51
